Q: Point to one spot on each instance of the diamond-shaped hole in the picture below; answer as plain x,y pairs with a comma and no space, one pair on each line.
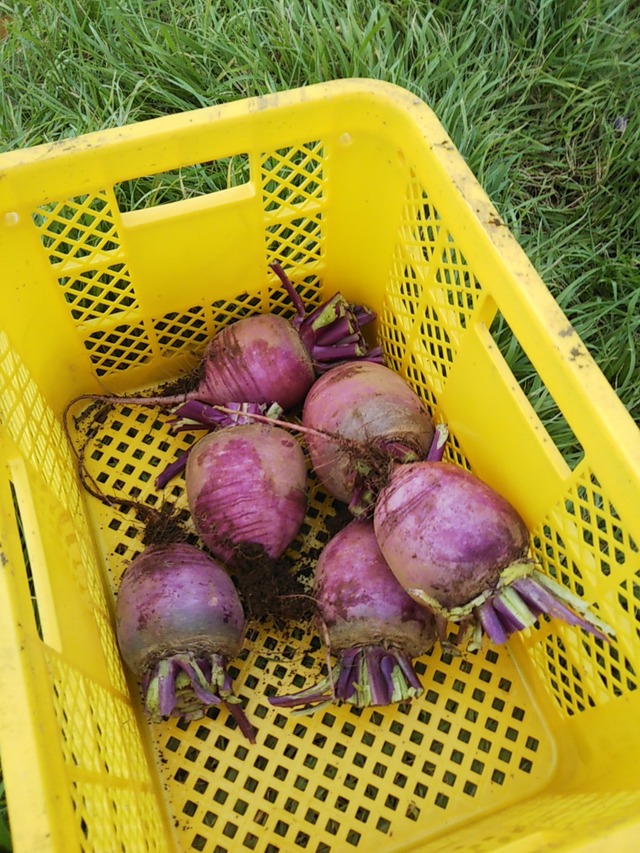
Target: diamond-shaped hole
293,176
123,347
78,228
297,241
177,331
96,293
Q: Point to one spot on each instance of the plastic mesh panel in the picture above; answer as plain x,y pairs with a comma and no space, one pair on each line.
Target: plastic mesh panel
106,765
292,176
585,531
340,778
429,304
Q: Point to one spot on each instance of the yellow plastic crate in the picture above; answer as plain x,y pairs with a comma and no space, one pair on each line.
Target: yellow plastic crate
113,280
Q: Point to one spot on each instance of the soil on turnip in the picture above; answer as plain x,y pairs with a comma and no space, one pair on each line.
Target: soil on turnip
161,526
271,588
184,384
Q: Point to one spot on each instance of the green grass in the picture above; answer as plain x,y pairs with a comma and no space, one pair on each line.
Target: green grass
529,92
5,837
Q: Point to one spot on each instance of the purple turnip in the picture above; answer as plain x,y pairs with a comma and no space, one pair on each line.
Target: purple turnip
246,487
195,415
178,621
371,625
265,358
461,549
377,420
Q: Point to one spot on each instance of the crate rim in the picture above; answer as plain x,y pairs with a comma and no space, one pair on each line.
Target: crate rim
605,400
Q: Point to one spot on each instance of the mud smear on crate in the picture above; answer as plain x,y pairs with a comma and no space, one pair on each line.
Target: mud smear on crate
161,526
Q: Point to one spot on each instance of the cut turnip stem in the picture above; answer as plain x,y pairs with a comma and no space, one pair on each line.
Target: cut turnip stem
195,415
438,443
366,676
331,332
184,685
372,626
178,620
198,415
462,550
524,594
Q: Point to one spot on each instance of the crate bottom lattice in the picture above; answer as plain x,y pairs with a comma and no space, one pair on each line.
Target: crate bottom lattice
340,778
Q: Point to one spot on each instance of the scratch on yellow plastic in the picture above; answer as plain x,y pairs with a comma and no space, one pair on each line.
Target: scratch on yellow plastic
351,185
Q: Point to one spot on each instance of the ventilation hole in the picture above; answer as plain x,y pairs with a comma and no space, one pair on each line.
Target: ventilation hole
442,801
536,392
26,559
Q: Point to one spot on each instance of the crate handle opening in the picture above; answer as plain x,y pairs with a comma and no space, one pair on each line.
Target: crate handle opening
183,183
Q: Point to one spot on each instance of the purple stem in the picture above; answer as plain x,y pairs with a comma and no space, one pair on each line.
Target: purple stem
172,470
408,671
492,624
196,680
390,666
510,622
207,678
380,686
353,338
167,691
331,331
295,297
203,413
345,684
241,719
205,668
438,443
387,665
237,414
338,331
363,315
303,697
337,352
375,354
541,598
